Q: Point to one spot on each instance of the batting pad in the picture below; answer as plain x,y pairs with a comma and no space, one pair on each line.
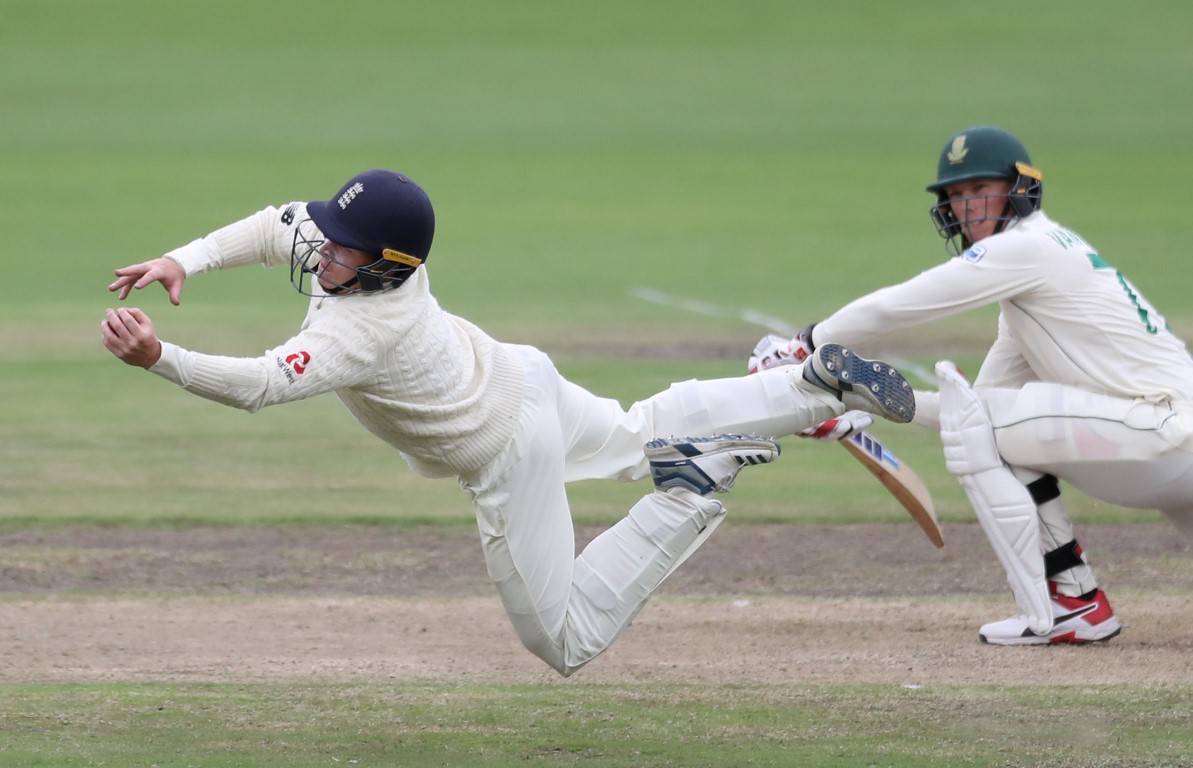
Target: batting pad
1003,505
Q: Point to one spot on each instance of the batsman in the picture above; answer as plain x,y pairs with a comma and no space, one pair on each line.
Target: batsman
1085,383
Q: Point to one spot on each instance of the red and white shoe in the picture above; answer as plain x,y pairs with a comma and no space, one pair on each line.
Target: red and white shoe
1077,622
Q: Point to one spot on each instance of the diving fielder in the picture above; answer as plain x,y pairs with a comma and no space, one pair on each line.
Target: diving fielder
498,417
1085,383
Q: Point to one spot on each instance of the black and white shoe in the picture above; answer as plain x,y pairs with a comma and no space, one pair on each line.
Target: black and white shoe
706,465
860,384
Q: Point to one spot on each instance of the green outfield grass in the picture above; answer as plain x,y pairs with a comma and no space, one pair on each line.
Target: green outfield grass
296,726
756,155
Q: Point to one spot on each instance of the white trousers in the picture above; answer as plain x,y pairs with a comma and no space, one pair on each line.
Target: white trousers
568,609
1133,453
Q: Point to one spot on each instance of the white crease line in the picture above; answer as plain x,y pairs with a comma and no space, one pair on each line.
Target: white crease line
751,316
761,320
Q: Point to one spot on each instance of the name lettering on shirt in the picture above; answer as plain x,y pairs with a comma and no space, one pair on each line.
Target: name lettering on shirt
1066,239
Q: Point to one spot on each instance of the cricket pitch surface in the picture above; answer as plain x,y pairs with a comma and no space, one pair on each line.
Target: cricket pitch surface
757,604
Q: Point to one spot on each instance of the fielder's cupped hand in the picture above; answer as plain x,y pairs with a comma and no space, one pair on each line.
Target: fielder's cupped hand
840,427
128,334
162,270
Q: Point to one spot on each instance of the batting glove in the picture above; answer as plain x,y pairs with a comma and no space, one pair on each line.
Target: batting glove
774,350
840,427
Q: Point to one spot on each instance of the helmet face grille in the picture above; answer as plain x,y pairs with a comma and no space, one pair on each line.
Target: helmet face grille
305,259
305,256
1022,200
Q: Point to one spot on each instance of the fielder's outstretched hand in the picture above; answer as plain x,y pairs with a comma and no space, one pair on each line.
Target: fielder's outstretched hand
161,270
128,334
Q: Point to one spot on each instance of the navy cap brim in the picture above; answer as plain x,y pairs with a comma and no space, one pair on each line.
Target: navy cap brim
322,214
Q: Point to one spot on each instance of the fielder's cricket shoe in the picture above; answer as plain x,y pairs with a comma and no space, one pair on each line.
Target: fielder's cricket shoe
860,384
1077,622
706,465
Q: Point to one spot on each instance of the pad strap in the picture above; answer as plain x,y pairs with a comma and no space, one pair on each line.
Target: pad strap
1044,490
1062,558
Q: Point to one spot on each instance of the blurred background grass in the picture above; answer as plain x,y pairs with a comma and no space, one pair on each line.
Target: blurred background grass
760,155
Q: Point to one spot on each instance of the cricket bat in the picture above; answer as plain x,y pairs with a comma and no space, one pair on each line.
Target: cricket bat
900,479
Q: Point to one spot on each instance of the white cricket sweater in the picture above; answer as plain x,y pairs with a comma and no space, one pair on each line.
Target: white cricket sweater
430,384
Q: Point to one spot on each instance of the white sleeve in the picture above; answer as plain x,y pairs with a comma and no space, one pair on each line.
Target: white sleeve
927,410
266,238
313,362
176,364
975,279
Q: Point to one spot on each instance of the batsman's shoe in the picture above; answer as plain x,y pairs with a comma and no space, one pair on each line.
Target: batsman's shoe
706,465
860,384
1077,622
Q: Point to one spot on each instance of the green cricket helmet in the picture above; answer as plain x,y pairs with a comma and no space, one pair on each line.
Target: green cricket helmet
984,152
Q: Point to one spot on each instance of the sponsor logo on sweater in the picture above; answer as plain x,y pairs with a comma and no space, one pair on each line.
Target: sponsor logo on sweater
294,365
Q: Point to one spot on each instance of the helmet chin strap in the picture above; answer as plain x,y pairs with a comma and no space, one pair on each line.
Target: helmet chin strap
342,288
